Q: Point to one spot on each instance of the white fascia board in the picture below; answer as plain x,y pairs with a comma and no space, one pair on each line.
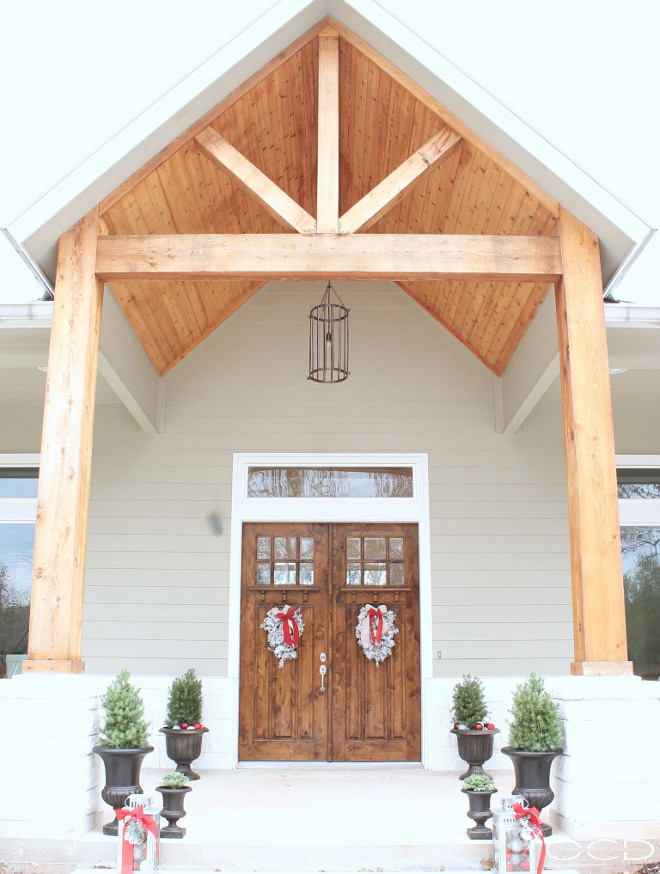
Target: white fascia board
26,315
533,368
618,228
126,367
40,226
619,316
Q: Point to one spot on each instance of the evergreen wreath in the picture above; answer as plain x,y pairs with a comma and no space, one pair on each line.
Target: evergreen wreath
282,641
135,833
376,646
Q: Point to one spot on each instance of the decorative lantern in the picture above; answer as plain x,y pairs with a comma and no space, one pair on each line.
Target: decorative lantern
516,845
139,830
328,340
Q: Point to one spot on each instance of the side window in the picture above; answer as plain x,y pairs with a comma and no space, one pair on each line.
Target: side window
18,506
639,513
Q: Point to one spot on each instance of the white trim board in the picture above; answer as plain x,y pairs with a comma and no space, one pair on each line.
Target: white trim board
415,509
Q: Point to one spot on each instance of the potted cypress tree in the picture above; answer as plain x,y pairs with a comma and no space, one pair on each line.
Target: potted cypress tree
123,744
536,736
173,788
473,733
184,730
479,788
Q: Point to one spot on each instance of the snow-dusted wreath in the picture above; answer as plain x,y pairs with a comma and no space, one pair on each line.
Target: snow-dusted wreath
375,632
284,626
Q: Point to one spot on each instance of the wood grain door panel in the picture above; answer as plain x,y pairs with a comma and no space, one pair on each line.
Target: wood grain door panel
368,712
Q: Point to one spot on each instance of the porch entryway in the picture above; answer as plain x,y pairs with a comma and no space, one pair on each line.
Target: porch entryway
356,710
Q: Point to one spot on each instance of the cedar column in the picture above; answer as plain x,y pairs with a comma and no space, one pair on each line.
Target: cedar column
60,540
599,621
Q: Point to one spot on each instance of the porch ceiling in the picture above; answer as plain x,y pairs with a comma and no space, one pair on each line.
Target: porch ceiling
384,119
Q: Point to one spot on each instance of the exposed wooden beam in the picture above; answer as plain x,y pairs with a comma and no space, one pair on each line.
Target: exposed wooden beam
599,620
448,117
327,185
278,203
394,187
349,256
60,538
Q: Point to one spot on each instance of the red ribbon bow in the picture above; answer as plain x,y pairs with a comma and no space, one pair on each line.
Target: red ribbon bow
134,813
289,625
535,818
377,635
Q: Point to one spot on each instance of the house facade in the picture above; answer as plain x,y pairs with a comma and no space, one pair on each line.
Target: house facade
444,478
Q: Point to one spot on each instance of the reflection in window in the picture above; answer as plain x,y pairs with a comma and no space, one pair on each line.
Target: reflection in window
640,483
16,542
330,482
640,549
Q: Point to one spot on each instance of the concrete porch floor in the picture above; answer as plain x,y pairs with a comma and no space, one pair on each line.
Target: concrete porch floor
331,819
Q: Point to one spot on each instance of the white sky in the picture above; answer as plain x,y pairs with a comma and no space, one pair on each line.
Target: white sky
583,73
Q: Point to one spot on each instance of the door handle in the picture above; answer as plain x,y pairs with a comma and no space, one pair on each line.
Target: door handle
323,670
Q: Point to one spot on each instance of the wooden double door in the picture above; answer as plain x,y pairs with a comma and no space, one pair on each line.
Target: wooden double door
358,711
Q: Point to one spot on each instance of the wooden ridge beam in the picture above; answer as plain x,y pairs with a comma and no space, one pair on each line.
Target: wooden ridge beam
347,256
396,185
327,180
278,203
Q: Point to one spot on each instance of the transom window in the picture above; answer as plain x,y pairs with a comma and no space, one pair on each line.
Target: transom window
330,482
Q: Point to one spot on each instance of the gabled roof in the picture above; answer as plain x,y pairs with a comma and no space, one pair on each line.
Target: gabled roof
397,97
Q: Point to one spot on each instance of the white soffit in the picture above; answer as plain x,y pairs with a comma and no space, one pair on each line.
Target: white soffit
39,228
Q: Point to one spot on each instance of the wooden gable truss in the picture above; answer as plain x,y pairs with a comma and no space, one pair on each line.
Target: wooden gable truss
290,182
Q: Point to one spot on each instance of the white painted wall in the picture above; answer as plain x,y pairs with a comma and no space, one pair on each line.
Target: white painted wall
157,581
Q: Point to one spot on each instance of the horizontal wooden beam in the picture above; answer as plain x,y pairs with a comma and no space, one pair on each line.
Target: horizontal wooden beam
396,185
278,203
328,256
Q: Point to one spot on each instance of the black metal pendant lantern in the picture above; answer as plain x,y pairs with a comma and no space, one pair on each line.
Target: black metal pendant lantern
328,340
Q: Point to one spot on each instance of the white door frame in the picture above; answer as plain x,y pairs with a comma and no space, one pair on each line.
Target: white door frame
415,509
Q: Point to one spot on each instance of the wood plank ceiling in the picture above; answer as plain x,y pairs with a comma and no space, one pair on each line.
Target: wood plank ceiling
383,120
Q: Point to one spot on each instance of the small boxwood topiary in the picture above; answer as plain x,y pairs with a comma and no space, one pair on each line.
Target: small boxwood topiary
469,702
479,783
536,725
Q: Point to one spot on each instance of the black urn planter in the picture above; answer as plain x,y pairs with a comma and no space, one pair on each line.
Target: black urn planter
479,804
532,770
475,746
122,778
183,746
173,798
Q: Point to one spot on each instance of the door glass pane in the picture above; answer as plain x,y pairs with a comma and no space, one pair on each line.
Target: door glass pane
396,574
353,547
16,542
330,482
640,548
306,547
263,547
353,573
263,573
19,482
375,549
284,573
285,547
306,573
396,548
375,574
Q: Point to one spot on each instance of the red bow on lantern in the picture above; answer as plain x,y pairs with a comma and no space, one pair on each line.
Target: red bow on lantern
534,817
135,814
289,627
375,636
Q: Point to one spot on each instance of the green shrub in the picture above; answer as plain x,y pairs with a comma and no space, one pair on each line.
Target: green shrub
479,783
536,725
185,700
174,780
125,727
469,703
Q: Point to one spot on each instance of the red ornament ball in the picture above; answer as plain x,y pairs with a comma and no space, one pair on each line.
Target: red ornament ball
197,725
184,725
490,726
478,726
524,865
509,866
456,724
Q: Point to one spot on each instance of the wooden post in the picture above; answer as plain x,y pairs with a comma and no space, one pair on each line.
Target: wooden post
60,540
599,621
